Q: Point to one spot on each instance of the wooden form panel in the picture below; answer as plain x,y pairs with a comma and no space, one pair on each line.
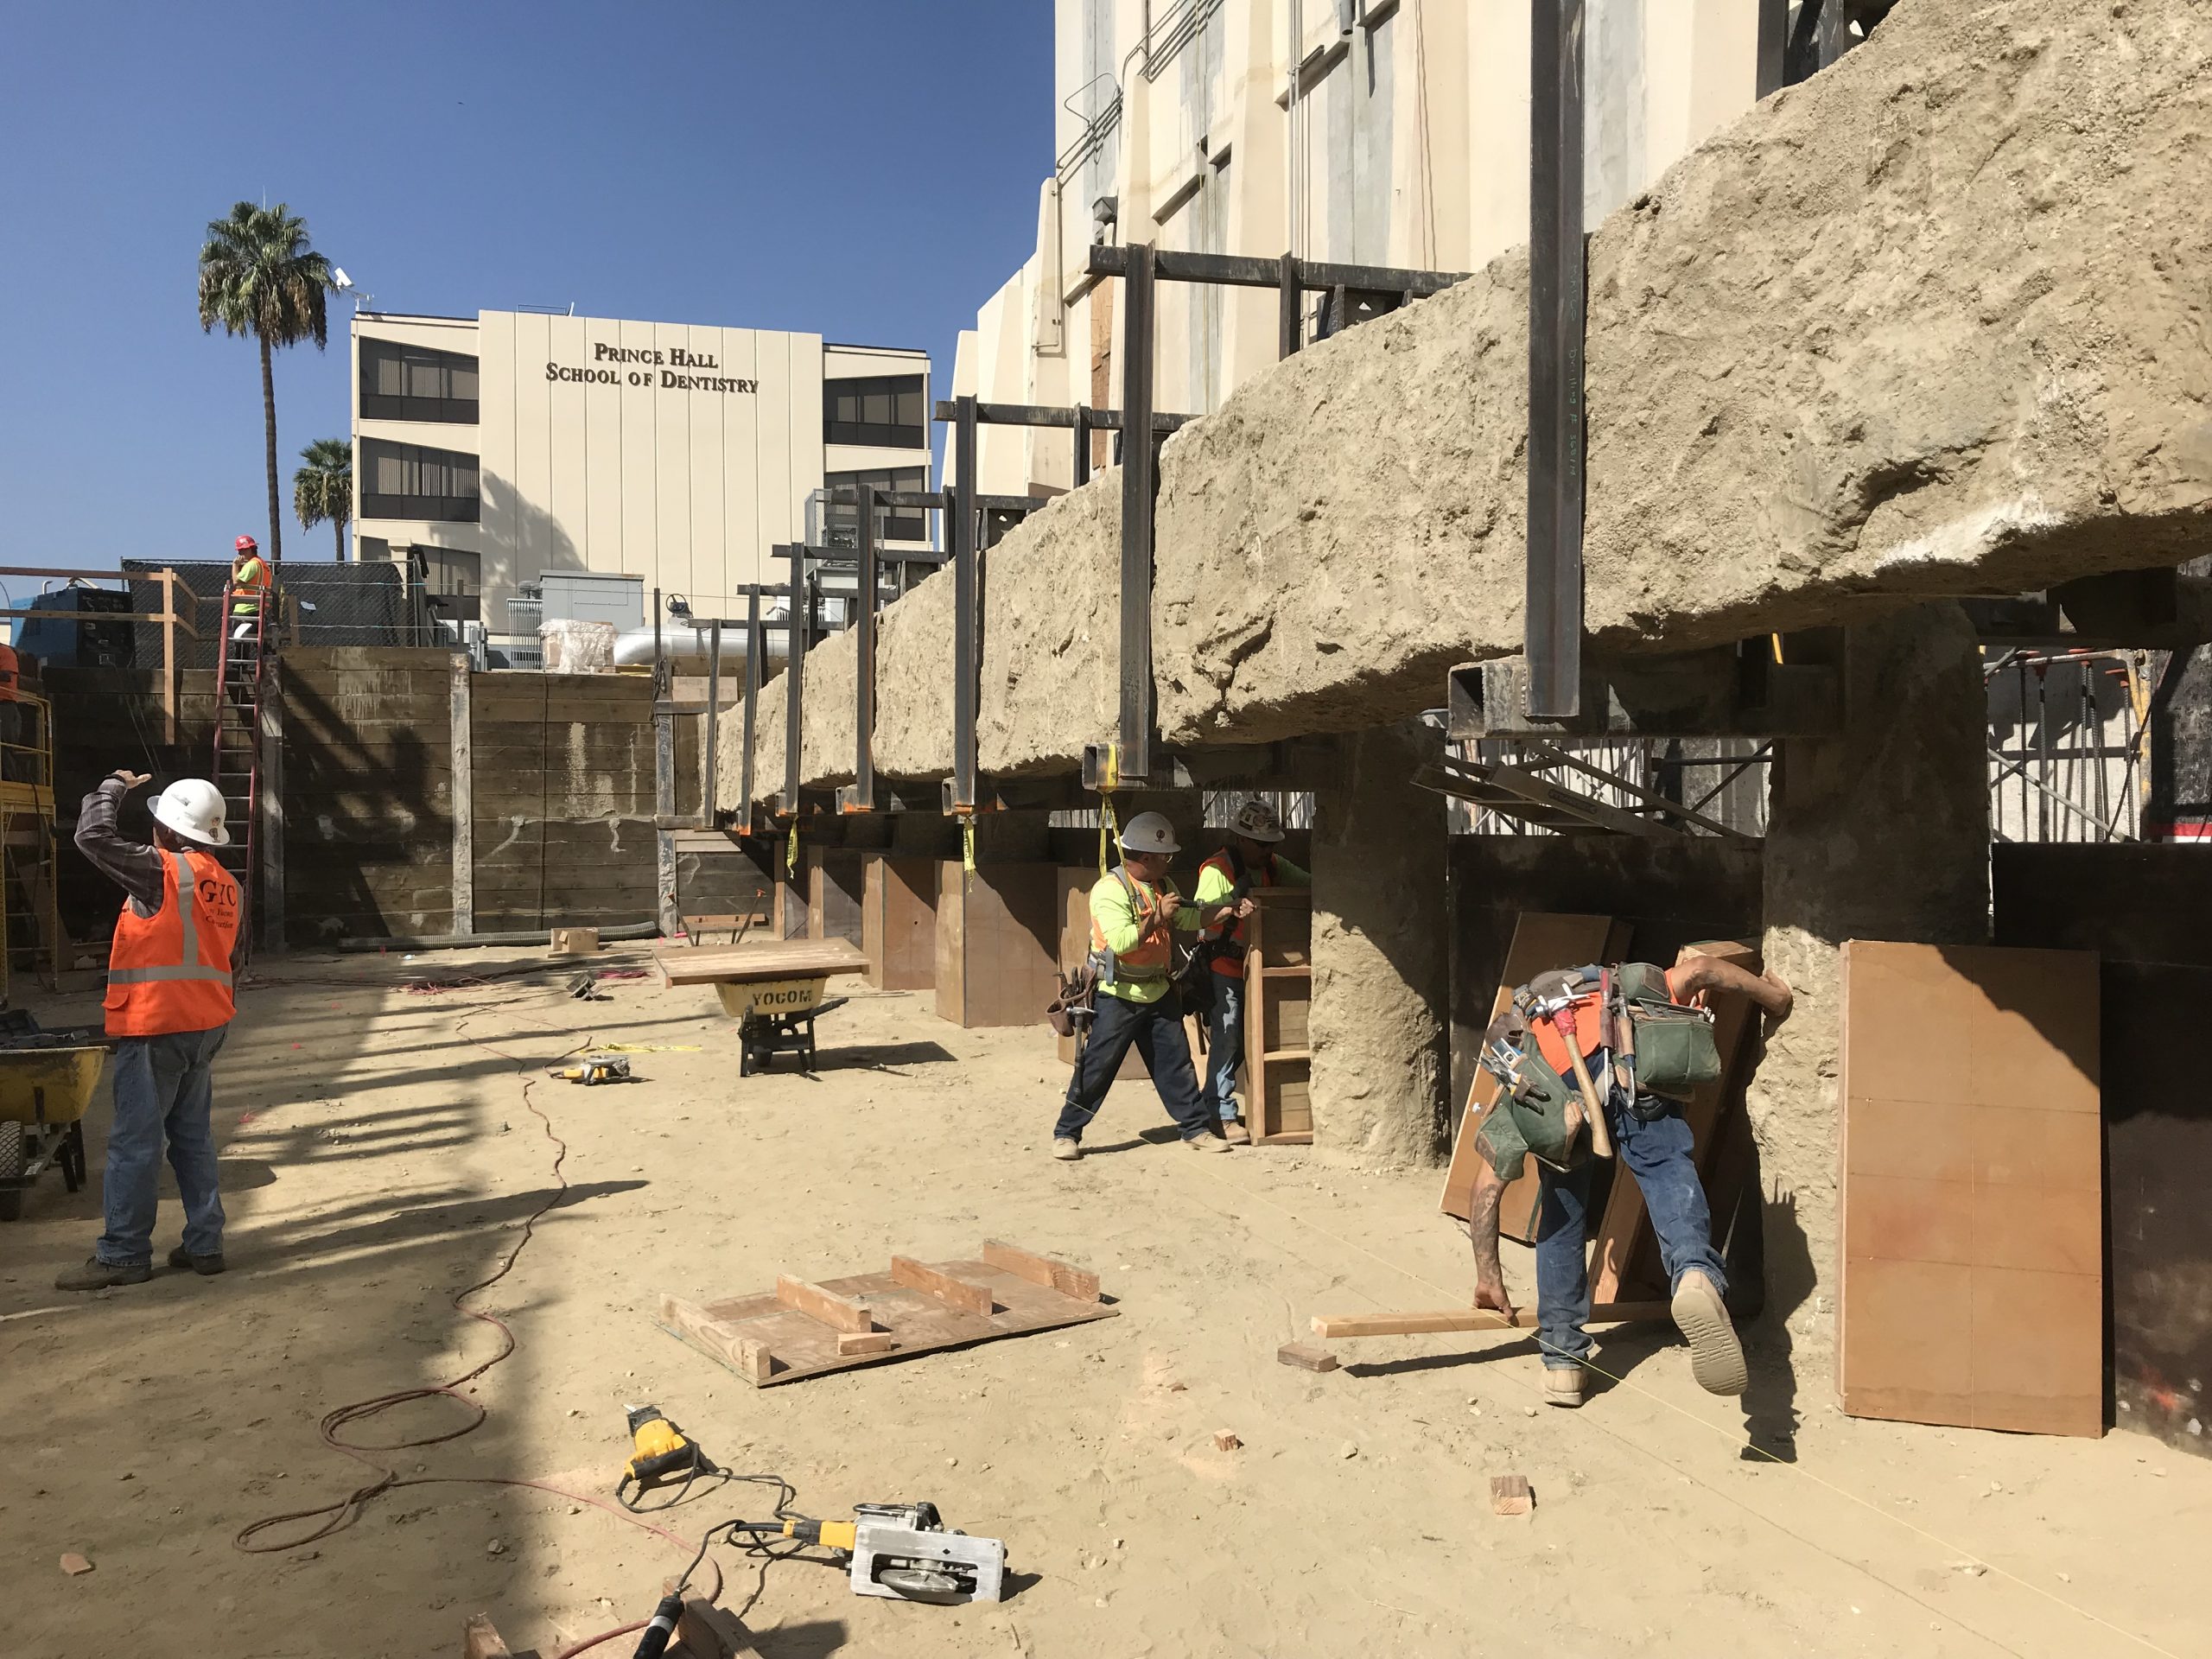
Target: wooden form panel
1278,992
1540,941
899,922
997,942
1972,1187
835,887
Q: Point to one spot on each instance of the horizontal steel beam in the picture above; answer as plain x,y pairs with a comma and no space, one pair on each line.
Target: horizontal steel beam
1243,271
1306,763
1726,691
1098,420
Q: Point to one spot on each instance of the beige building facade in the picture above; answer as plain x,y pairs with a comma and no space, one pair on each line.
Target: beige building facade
514,445
1401,139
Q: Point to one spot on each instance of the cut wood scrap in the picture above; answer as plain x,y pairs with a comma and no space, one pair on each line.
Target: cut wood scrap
1306,1357
963,1294
1078,1283
683,964
1225,1439
1339,1325
1509,1495
838,1312
768,1340
478,1640
747,1356
706,1631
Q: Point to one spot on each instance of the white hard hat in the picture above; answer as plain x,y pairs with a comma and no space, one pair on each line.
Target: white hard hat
193,808
1148,832
1256,821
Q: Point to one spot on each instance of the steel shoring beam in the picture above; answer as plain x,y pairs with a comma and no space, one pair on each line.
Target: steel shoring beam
1553,612
2009,767
864,660
1736,771
706,768
1052,415
1133,758
754,641
794,672
1245,270
967,676
1541,756
1290,309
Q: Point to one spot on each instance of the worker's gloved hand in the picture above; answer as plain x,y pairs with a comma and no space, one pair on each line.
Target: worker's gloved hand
131,779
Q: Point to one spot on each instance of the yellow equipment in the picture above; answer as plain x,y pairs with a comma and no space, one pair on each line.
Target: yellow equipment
660,1454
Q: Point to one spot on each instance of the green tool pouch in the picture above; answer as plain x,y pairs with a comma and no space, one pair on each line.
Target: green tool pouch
1675,1053
1538,1106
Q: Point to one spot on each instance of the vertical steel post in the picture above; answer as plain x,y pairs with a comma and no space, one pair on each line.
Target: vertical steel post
752,649
864,660
1553,617
1773,47
967,670
1290,318
710,773
1134,756
794,673
1082,445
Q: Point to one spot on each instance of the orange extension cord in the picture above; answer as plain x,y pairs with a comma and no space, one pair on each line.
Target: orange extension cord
348,1509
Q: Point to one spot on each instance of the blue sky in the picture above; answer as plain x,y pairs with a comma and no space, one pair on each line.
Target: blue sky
866,169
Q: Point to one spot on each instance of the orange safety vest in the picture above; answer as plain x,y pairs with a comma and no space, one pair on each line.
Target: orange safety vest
1229,964
171,971
250,585
1153,952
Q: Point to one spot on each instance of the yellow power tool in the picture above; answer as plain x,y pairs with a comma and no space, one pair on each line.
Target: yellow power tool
661,1454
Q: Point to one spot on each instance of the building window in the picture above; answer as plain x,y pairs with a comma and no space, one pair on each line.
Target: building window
844,523
409,481
412,382
885,412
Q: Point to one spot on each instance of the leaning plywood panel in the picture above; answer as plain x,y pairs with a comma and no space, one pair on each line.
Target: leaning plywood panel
1972,1191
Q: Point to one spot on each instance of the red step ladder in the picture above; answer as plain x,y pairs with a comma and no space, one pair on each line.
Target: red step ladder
239,675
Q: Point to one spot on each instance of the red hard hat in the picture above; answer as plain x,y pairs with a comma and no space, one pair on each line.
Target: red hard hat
247,545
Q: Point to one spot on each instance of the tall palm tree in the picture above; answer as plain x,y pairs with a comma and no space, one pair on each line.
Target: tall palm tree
323,491
258,277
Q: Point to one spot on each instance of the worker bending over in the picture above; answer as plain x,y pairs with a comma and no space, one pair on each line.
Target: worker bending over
1249,860
1136,914
168,1005
1649,1136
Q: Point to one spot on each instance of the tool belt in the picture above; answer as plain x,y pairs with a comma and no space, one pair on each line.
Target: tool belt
1676,1052
1071,1012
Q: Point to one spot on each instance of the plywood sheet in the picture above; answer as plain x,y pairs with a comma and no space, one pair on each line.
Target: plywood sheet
1972,1188
898,923
997,942
1541,941
766,1341
686,964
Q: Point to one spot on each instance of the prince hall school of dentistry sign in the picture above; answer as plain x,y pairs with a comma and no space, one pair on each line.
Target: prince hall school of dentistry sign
671,368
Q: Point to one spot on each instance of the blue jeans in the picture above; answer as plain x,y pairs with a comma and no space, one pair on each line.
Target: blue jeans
1155,1030
163,1090
1225,1047
1660,1155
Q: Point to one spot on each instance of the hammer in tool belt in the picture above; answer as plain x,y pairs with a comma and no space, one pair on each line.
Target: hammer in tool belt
1552,997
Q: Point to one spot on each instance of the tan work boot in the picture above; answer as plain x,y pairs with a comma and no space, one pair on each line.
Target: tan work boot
1716,1357
1067,1151
1234,1132
1563,1386
1206,1143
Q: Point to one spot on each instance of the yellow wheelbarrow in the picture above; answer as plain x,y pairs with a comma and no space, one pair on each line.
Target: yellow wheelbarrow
47,1080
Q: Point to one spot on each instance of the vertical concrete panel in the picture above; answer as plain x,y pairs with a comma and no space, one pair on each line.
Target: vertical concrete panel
1495,164
776,504
744,551
501,525
1373,63
708,573
565,502
1723,70
640,505
602,546
804,426
674,410
533,445
1615,87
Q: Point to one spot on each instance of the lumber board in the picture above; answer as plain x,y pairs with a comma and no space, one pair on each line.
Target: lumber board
1054,1275
1336,1327
1541,940
690,964
838,1312
730,1329
866,1342
964,1293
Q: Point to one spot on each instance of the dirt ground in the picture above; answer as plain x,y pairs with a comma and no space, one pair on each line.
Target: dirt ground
379,1154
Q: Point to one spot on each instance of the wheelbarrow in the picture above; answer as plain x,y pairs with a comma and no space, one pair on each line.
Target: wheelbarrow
47,1080
774,991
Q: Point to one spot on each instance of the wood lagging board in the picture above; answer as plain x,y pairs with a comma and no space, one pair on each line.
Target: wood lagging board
899,922
1278,994
998,937
1973,1282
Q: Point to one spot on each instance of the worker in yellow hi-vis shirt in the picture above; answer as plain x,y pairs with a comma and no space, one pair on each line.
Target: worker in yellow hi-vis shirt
1135,915
1250,861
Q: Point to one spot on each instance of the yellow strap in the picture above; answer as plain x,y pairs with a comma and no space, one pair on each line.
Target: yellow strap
1108,830
790,853
968,844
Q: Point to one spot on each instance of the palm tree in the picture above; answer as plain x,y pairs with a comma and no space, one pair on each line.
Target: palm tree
258,277
323,491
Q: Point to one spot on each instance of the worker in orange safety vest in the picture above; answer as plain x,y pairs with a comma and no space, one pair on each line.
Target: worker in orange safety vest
169,1003
251,587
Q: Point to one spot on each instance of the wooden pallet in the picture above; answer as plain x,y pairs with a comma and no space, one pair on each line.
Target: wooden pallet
1278,992
801,1329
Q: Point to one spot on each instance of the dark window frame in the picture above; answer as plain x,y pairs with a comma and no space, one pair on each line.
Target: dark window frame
444,506
877,411
408,362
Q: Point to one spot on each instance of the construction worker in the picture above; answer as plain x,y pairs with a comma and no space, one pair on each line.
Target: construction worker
250,587
1653,1140
1136,914
168,1005
1249,860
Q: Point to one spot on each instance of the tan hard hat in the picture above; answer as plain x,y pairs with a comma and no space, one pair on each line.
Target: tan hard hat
1256,821
1149,832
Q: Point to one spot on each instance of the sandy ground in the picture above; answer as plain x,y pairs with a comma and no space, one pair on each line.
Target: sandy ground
378,1155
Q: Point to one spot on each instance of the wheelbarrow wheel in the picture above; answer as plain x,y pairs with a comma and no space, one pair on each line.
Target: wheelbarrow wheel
13,1153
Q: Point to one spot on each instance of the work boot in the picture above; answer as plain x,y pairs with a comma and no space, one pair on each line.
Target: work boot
1716,1357
1067,1151
1563,1386
96,1274
1234,1132
1206,1143
205,1265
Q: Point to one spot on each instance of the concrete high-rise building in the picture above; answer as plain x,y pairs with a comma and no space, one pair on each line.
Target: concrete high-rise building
513,445
1400,140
